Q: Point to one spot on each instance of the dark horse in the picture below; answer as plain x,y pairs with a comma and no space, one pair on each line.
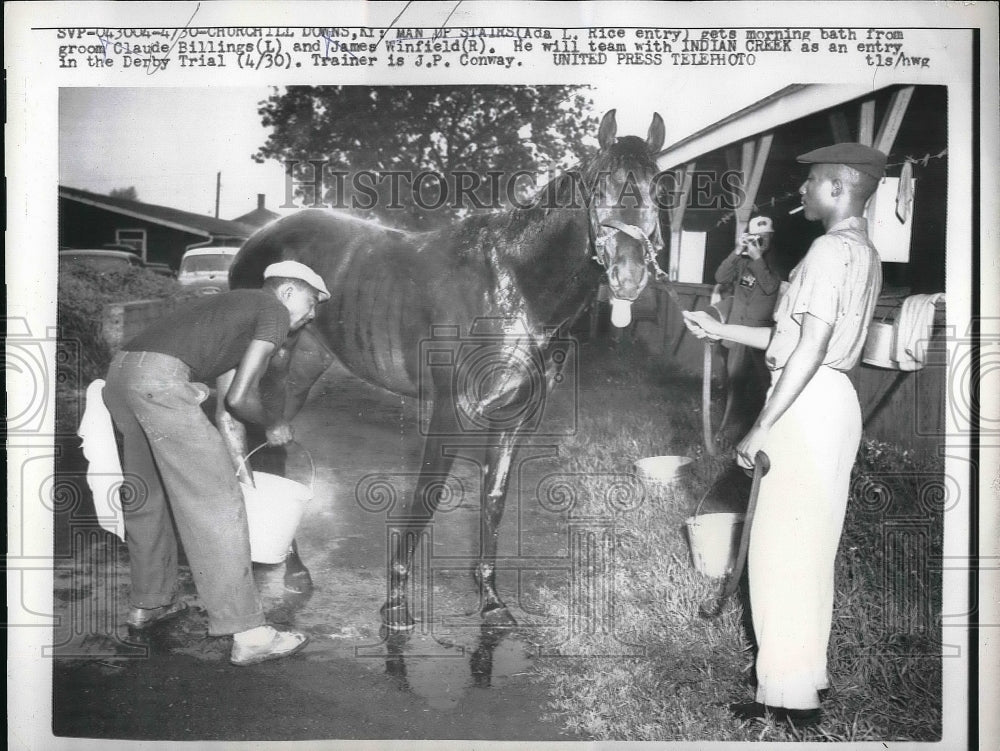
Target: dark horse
528,272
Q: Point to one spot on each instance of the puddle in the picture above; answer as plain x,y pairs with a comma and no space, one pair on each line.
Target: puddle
443,671
450,664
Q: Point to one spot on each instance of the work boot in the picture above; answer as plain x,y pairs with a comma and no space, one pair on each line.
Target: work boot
265,643
142,618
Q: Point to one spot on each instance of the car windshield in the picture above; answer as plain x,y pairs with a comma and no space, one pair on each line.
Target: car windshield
215,262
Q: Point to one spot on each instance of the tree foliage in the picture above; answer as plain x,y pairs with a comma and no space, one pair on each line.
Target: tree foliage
442,130
129,193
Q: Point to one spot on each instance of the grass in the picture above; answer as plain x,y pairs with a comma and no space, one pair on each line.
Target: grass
884,652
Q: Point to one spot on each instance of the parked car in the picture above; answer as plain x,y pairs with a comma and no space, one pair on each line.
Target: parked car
100,259
205,271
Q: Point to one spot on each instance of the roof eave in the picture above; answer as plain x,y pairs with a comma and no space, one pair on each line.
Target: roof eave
149,217
777,109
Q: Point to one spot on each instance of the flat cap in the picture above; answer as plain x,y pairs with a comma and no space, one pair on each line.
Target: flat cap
862,158
296,270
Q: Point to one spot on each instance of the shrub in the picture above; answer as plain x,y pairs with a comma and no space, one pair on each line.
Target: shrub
83,293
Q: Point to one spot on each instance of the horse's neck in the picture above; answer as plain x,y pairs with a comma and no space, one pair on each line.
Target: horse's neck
554,264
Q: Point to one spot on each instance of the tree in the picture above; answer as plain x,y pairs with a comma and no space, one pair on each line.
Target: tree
375,142
129,193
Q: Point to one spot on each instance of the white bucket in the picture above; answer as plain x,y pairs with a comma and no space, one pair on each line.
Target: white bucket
878,346
274,510
714,539
658,473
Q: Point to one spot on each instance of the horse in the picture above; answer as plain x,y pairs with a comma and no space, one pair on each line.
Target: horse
526,273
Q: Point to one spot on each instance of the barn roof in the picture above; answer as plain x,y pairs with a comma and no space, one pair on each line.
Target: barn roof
781,107
185,221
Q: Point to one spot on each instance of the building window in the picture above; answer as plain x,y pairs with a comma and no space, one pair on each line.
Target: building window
136,238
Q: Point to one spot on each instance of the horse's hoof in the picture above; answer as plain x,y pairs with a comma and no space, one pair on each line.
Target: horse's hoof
499,617
396,618
300,582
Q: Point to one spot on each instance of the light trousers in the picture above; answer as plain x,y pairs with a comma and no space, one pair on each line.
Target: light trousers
175,461
794,537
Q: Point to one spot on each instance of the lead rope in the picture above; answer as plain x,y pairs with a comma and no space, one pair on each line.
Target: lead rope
706,363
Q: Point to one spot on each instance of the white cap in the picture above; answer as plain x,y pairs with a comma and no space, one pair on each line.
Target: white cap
296,270
760,225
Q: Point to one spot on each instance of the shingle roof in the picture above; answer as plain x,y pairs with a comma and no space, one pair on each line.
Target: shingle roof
258,217
184,220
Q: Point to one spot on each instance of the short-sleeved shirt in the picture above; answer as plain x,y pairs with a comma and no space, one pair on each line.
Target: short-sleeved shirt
839,282
212,334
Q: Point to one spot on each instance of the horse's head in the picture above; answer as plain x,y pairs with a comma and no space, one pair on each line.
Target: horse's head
624,212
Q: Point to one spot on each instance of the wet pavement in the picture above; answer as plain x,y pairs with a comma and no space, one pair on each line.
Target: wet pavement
451,678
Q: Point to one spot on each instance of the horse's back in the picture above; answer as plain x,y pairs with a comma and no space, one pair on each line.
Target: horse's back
375,312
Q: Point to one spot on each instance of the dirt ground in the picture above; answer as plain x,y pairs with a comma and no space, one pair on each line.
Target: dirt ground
450,679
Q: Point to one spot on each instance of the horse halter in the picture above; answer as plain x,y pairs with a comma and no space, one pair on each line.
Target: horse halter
648,252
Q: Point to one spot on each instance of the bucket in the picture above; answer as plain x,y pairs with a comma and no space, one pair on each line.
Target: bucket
878,346
274,510
658,473
714,539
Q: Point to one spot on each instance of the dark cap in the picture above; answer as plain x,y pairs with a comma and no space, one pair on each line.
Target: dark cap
862,158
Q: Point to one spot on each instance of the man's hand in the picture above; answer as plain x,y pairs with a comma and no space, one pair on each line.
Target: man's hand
279,434
702,325
746,450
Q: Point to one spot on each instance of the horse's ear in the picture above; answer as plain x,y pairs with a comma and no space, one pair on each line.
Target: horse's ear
657,133
607,131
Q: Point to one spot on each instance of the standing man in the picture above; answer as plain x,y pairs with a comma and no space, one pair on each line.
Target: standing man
751,272
180,464
810,427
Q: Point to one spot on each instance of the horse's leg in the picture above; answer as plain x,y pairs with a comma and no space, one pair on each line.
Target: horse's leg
499,459
417,514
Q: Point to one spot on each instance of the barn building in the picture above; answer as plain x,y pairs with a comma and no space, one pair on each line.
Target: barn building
744,165
159,234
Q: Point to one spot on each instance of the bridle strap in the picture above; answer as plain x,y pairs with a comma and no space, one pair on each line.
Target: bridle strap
636,233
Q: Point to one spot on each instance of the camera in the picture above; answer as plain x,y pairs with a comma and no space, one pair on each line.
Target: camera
748,241
500,378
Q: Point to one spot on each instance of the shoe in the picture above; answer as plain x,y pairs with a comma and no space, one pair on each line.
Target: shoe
141,618
800,718
281,644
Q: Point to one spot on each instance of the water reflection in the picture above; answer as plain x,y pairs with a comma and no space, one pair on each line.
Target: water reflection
442,672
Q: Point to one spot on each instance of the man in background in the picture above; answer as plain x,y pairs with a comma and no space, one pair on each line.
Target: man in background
752,274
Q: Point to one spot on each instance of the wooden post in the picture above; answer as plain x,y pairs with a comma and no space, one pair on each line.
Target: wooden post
866,123
218,192
839,127
893,119
754,158
676,214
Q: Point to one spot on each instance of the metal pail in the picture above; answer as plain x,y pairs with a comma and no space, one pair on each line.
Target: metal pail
714,539
274,510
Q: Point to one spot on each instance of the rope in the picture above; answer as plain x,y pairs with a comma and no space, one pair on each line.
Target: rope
785,197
